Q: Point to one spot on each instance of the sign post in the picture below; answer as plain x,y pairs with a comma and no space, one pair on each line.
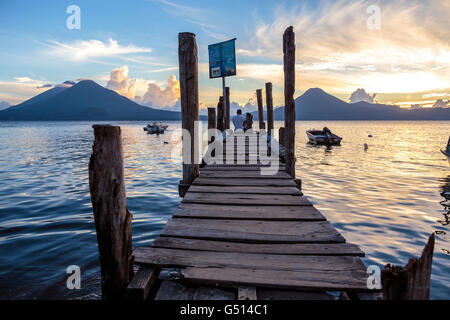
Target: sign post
222,63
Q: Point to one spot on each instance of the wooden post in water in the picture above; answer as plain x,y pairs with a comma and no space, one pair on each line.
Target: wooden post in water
411,282
188,65
211,122
227,108
220,115
269,104
260,109
289,103
112,219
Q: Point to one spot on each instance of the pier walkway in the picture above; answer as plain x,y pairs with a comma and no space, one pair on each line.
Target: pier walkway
249,234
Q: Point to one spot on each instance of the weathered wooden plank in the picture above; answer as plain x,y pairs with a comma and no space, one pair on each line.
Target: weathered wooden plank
243,174
323,249
253,231
273,294
303,272
243,182
331,280
142,282
247,293
287,213
245,189
174,258
246,199
245,165
236,168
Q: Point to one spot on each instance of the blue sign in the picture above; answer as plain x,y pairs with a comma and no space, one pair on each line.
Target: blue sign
222,59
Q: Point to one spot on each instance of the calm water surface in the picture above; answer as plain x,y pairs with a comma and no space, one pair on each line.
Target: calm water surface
386,199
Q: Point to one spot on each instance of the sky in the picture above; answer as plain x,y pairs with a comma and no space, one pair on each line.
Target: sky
393,52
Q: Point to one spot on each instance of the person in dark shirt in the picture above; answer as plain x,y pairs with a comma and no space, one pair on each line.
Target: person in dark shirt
248,122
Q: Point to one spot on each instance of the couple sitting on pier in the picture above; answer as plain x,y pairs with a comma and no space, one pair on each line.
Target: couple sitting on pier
241,123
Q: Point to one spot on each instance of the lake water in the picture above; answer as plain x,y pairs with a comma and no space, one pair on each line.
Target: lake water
386,199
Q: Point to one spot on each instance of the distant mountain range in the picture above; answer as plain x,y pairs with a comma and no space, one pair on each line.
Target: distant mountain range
316,104
85,100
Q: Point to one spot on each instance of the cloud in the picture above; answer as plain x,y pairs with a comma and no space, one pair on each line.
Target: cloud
81,50
22,88
361,95
120,83
158,97
48,85
415,106
333,41
441,103
24,79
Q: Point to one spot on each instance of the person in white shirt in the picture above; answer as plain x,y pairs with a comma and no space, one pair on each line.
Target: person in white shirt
238,120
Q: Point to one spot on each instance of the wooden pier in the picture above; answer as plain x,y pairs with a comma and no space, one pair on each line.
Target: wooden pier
236,230
238,233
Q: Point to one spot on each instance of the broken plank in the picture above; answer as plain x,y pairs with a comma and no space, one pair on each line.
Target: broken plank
287,213
334,249
253,231
246,199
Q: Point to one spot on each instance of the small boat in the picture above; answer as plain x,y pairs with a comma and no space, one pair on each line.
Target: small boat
155,128
323,137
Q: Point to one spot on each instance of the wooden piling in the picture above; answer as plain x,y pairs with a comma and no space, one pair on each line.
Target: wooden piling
227,108
188,65
269,104
220,115
411,282
260,109
112,219
289,103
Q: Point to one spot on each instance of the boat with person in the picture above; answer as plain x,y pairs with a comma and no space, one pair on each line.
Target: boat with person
323,137
156,128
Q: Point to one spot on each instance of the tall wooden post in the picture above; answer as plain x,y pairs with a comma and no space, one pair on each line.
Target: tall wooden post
260,109
227,108
112,219
269,104
289,103
411,282
188,65
211,122
220,115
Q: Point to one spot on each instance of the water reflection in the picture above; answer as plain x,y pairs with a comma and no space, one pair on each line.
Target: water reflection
445,193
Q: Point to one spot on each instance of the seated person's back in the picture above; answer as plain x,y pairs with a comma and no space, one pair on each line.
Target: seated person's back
238,120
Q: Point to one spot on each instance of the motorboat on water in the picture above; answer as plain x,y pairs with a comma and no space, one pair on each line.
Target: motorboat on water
323,137
156,128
